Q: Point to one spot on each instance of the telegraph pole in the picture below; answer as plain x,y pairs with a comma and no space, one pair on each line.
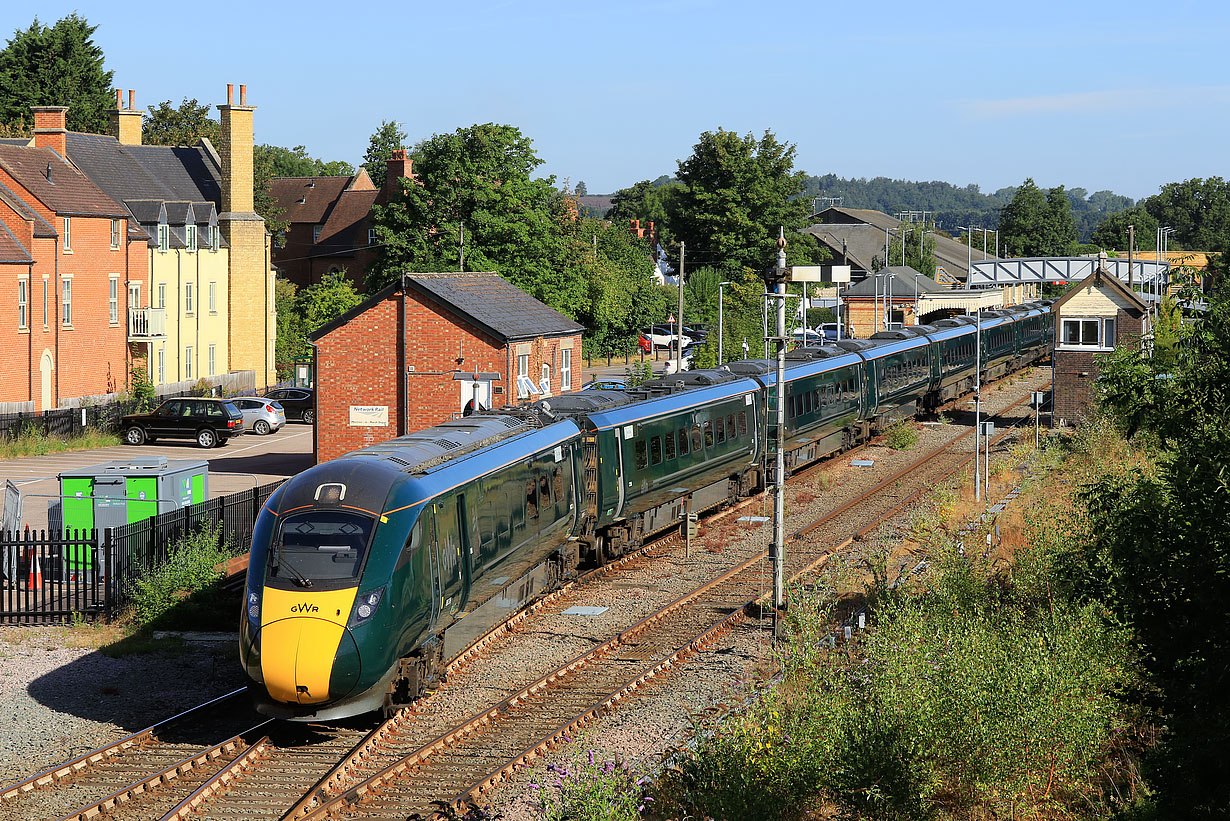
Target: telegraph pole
679,328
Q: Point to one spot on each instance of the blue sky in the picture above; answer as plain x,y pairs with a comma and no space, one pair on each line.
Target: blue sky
1101,95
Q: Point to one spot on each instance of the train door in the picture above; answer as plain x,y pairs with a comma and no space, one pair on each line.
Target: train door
448,554
428,521
465,548
619,470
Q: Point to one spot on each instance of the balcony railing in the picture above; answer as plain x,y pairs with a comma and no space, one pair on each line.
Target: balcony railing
146,323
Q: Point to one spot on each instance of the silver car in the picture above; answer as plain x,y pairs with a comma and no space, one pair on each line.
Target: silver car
260,415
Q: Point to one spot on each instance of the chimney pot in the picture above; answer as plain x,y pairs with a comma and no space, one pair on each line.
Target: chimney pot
243,95
132,99
119,100
48,172
230,93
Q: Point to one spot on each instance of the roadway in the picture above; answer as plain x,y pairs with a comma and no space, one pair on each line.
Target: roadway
248,461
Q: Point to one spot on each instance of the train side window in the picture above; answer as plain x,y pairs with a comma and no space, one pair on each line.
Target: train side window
683,441
669,442
721,431
655,450
697,442
708,434
531,499
730,426
809,401
642,455
743,423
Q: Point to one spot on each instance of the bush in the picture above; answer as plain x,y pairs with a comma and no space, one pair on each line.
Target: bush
185,592
901,435
591,789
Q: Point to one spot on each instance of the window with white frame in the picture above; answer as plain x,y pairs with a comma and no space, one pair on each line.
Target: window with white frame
544,384
113,299
190,237
565,369
187,362
213,297
162,295
134,295
214,238
371,236
523,370
162,366
189,298
316,232
115,234
164,237
213,350
23,302
1087,333
66,301
44,302
68,235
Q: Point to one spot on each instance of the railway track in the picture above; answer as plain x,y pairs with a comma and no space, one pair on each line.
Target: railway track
340,771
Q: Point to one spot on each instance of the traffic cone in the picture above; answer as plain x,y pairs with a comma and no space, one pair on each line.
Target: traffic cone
36,572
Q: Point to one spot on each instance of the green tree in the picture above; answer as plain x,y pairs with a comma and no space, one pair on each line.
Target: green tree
57,65
1036,224
648,202
320,304
480,176
621,295
581,190
1112,233
263,172
296,162
380,147
1198,210
185,124
291,343
736,193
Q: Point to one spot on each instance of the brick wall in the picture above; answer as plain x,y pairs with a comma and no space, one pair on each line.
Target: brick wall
357,364
1076,372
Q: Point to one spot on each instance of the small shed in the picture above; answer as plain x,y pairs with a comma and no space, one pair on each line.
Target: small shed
1091,320
117,493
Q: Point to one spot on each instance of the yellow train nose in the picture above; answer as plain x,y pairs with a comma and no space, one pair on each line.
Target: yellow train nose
305,646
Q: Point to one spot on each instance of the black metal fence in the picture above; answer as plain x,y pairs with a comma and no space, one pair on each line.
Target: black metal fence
67,422
51,575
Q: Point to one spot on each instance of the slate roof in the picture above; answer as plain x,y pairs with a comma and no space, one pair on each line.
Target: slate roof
903,284
68,192
485,299
190,173
318,195
11,250
42,228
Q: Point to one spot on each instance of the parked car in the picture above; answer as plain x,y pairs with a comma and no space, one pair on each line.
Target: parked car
812,337
605,385
261,415
299,403
830,330
663,336
645,344
211,422
699,331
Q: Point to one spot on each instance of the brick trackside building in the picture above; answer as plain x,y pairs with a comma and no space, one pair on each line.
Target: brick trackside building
433,347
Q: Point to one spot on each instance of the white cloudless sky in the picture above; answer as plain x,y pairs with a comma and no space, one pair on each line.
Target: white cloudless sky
1095,94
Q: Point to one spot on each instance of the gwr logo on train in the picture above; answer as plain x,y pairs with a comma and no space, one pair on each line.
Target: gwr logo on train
305,607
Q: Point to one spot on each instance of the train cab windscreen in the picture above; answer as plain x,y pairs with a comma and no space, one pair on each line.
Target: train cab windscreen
319,546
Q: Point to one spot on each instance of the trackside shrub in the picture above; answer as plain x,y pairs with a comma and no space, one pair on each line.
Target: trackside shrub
900,435
185,591
591,788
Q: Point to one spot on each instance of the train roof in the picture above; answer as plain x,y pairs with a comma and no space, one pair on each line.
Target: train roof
681,398
419,451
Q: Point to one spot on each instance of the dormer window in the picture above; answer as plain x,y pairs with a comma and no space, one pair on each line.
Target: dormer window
215,239
190,237
316,232
164,237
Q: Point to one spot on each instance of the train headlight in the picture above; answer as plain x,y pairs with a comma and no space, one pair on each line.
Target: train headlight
365,606
253,607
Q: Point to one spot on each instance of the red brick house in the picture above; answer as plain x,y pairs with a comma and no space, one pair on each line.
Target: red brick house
65,269
329,227
433,347
1091,321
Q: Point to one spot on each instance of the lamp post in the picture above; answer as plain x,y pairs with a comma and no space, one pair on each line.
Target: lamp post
721,361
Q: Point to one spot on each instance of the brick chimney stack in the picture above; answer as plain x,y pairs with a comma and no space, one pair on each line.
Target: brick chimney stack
49,128
126,122
399,165
236,153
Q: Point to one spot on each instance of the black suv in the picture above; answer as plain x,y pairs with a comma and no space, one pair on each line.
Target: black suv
211,422
299,403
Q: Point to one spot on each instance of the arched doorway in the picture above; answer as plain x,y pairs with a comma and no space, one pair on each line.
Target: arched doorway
45,367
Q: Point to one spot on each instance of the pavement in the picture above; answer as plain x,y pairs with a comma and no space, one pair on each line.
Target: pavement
248,461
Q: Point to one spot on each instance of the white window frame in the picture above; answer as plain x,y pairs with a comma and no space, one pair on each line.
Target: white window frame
187,362
113,299
68,235
164,237
66,301
1099,326
523,370
544,384
134,295
214,238
23,303
213,359
316,233
565,369
371,237
189,297
44,300
115,234
162,366
162,295
213,296
190,237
